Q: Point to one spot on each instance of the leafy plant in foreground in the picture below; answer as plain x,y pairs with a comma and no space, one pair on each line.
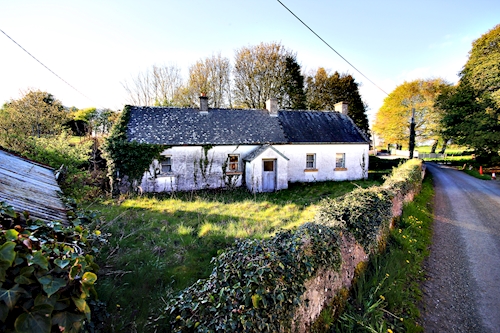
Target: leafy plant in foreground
47,273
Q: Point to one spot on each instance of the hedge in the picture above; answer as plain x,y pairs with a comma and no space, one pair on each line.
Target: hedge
256,285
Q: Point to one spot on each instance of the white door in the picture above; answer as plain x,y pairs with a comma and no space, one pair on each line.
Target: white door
269,175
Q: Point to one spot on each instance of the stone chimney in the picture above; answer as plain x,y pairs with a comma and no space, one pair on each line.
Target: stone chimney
342,107
272,107
203,104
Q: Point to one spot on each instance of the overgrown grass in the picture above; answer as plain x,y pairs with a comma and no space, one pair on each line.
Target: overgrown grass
160,244
386,294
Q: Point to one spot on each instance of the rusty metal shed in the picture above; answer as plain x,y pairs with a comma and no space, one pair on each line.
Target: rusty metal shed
31,187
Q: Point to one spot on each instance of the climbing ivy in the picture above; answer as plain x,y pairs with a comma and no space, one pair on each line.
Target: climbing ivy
256,284
127,158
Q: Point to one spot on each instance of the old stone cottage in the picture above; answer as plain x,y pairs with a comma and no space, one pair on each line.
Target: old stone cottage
263,150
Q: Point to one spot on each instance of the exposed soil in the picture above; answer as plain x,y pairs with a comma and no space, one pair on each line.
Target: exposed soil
462,289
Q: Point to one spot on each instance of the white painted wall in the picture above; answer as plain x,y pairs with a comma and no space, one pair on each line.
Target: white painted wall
325,161
254,171
188,174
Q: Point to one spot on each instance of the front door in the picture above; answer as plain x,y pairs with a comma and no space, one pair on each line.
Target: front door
269,175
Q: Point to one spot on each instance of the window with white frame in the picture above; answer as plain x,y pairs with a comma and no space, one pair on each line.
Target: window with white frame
166,164
340,161
311,161
234,162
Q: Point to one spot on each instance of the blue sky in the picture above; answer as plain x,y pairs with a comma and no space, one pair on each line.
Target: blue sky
96,45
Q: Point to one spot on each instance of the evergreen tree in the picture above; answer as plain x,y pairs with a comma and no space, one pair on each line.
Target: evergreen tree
323,91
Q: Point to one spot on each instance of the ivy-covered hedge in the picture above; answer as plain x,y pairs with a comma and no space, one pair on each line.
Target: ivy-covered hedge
257,285
47,273
126,158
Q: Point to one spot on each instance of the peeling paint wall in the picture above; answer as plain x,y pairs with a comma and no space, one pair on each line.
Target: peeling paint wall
193,170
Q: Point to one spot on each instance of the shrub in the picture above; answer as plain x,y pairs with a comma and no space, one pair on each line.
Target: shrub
256,284
47,273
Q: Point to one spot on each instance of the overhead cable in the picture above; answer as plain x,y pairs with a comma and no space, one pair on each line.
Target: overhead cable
50,70
332,47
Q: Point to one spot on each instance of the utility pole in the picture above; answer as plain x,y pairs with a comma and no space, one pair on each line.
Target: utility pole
412,133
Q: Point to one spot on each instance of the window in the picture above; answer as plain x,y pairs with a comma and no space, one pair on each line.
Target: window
310,161
340,161
234,161
166,164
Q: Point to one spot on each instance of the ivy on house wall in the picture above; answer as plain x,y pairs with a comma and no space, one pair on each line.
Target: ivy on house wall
127,158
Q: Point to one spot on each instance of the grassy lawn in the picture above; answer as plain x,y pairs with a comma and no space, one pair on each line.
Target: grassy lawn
161,244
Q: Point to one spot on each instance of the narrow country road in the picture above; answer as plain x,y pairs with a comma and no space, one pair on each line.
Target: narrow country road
462,290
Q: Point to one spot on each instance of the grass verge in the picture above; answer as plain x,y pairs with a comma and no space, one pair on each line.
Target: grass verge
386,294
160,244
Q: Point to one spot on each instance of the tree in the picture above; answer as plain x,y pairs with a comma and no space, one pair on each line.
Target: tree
472,108
324,91
210,77
392,122
258,73
482,70
155,87
36,113
471,119
293,95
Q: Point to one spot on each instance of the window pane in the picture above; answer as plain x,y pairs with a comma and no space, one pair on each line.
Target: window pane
233,163
166,165
268,165
340,160
310,161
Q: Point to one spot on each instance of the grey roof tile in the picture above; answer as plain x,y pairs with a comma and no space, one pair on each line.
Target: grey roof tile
186,126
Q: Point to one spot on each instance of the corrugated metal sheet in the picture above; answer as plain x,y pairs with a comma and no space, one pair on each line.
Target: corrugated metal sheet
31,187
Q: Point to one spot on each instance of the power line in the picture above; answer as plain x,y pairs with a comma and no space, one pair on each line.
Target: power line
50,70
331,47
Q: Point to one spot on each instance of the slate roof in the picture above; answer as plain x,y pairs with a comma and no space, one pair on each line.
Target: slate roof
259,150
186,126
319,127
28,186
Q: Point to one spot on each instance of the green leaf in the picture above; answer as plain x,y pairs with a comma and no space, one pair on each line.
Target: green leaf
62,262
89,279
42,299
11,296
7,252
4,312
11,234
4,266
36,321
24,275
255,300
38,259
82,305
67,321
51,285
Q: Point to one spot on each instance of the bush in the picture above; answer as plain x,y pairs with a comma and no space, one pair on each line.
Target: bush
256,285
47,273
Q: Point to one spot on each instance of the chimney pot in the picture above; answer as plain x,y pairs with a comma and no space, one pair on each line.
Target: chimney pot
272,107
203,104
342,107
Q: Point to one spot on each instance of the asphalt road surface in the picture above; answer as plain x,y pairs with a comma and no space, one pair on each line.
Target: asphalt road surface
462,289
